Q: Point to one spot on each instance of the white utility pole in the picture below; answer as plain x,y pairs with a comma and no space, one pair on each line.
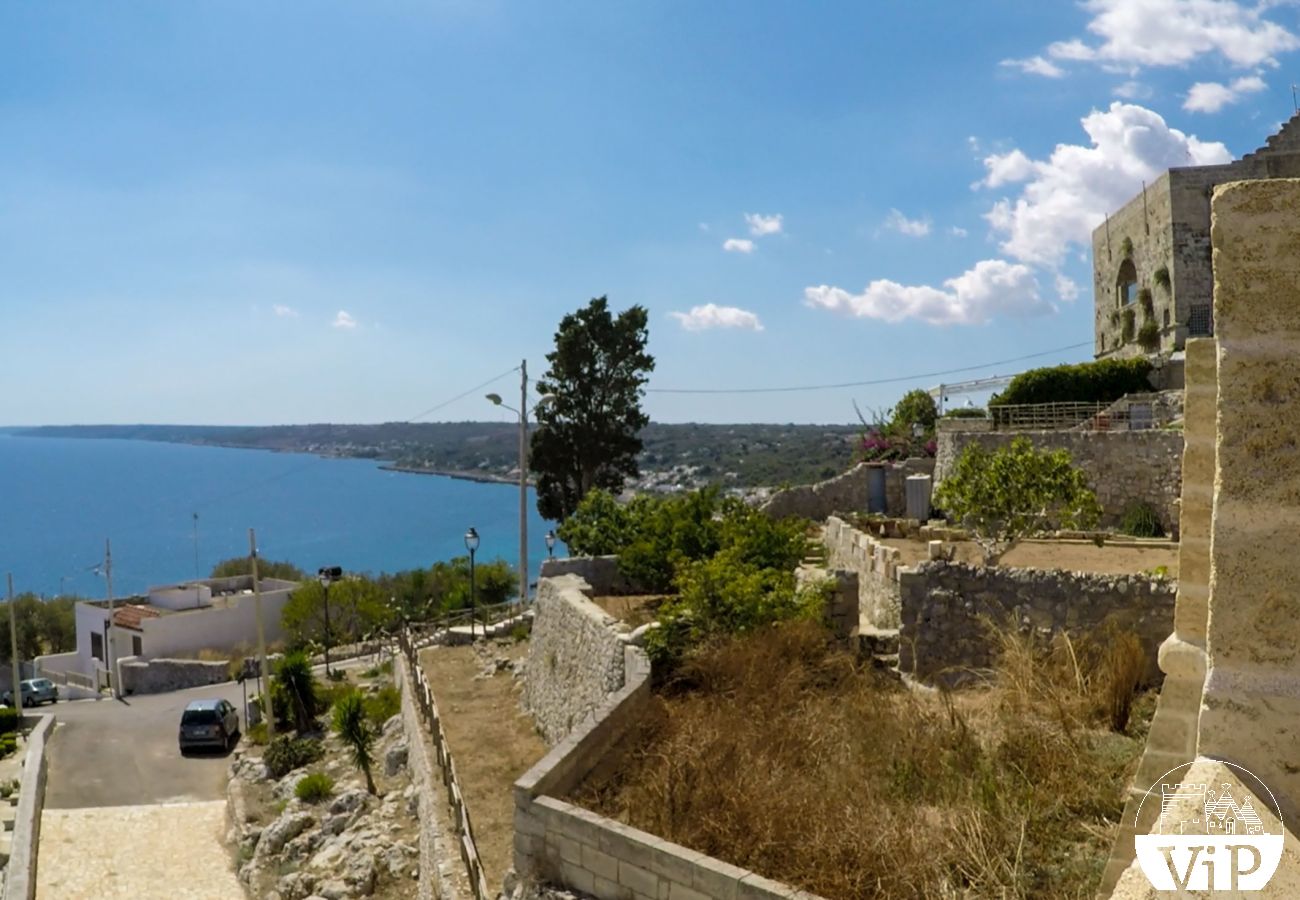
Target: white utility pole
108,632
267,705
523,483
17,693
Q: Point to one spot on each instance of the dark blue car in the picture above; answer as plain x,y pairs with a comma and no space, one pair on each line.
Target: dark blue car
209,723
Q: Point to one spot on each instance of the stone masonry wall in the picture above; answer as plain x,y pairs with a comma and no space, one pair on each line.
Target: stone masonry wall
877,568
944,607
1122,466
847,492
575,656
600,572
157,676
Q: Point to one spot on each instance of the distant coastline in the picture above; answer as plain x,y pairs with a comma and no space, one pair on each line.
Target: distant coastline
486,477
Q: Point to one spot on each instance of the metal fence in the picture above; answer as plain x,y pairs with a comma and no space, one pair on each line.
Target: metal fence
1043,416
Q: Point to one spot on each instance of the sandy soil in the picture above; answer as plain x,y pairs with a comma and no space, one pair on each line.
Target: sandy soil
634,610
492,741
1115,559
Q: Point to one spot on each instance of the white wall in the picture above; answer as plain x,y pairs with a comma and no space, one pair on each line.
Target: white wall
182,596
220,627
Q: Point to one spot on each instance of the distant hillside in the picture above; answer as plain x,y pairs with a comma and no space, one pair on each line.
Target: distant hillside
742,456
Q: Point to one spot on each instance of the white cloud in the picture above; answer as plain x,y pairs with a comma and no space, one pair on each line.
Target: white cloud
284,312
760,225
1035,65
738,245
1066,288
703,226
1067,195
991,288
1132,90
1210,96
1136,33
344,320
896,221
1007,168
710,315
958,231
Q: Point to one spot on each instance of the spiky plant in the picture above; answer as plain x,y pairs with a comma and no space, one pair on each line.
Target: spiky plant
295,679
351,725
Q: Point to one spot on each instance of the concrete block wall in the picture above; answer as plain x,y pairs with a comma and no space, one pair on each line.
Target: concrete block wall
1122,466
943,637
877,567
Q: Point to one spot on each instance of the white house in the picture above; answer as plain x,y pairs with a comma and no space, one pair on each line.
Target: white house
172,620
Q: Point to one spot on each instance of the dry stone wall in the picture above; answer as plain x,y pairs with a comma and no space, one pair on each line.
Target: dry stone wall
155,676
877,567
945,607
847,492
575,656
600,572
1122,466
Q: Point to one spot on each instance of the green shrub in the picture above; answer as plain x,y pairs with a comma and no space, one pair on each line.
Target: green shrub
1161,277
329,694
336,674
1103,381
1140,520
285,753
1130,322
1126,247
295,688
372,672
256,734
383,705
966,412
1149,336
8,744
1147,302
386,667
314,788
9,719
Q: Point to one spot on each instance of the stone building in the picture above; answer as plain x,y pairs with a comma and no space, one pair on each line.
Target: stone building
1153,285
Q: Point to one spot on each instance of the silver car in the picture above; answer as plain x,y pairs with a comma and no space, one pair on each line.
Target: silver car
34,691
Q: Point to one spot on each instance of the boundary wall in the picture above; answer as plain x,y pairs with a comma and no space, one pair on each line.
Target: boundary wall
879,569
20,873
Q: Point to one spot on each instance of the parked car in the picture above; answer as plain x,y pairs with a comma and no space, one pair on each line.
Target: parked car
34,691
209,723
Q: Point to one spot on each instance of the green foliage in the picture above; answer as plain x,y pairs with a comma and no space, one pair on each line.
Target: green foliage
600,525
424,594
1161,277
1140,520
8,744
1126,248
1007,495
1148,336
314,788
1130,321
1103,381
916,407
285,753
256,734
588,434
723,596
327,695
10,718
266,568
382,705
1147,302
357,606
44,626
966,412
294,680
356,732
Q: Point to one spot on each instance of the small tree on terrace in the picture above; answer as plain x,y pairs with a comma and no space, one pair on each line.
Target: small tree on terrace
354,730
1008,495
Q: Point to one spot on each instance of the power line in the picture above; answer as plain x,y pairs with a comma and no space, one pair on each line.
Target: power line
874,381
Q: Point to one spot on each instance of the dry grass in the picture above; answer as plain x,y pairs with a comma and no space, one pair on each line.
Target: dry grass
781,753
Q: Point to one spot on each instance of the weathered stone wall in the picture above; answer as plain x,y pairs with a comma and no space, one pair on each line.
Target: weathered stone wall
600,572
847,492
877,568
20,874
156,676
575,656
945,605
1122,466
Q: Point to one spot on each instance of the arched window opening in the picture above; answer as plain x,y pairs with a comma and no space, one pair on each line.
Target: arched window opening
1126,288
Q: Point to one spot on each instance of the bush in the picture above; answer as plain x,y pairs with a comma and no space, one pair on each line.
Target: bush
967,412
1161,277
9,719
1140,520
329,694
1103,381
1148,336
8,744
1130,321
256,734
314,788
285,753
1147,302
383,705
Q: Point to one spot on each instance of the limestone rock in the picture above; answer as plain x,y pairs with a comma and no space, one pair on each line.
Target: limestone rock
282,830
395,759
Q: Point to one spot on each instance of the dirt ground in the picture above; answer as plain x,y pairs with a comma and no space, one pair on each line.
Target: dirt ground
634,610
1073,556
492,741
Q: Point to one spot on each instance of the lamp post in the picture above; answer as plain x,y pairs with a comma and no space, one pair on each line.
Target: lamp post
550,544
328,575
522,413
471,544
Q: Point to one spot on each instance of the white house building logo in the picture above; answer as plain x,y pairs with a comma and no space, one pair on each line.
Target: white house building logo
1209,837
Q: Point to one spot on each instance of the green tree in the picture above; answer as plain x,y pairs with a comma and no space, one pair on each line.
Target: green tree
588,435
293,677
352,726
44,626
915,408
357,606
1016,491
266,568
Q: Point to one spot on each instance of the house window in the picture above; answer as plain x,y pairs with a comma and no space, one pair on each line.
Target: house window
137,646
1126,288
97,645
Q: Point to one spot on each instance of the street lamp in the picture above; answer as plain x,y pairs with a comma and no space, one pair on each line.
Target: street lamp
550,544
471,544
327,576
522,413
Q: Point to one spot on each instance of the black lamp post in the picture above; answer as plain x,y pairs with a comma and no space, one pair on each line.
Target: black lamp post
328,575
471,544
550,544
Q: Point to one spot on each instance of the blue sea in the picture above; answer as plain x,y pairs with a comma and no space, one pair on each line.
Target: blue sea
60,498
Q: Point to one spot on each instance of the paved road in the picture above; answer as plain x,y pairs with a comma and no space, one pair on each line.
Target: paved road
124,753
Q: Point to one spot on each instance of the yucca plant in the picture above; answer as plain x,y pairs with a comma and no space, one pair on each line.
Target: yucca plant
295,679
352,726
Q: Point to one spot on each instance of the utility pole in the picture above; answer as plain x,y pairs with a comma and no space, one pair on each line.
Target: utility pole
267,705
17,693
108,632
197,572
523,483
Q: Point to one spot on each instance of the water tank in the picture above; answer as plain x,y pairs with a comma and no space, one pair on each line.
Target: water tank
918,497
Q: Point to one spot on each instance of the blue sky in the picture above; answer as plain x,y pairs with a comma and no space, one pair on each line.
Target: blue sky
225,212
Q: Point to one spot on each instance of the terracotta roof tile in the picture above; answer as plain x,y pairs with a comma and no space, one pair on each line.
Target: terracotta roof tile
130,616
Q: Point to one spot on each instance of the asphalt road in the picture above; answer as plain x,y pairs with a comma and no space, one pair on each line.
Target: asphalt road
124,753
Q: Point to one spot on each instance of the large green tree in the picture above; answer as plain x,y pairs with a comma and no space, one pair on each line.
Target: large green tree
266,568
44,626
357,606
588,434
